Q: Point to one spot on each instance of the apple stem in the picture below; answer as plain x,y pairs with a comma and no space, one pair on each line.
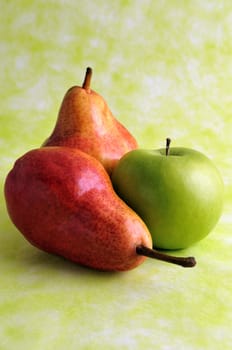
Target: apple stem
155,254
168,141
87,80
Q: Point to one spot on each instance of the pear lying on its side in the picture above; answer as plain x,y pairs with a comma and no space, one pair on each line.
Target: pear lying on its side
86,122
63,202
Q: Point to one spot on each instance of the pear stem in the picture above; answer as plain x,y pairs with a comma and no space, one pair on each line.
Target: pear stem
87,80
155,254
168,141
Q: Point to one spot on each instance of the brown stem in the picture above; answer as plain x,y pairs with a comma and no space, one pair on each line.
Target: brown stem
87,80
155,254
168,141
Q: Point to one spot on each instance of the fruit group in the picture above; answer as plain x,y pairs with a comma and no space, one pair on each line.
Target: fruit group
85,122
63,202
178,193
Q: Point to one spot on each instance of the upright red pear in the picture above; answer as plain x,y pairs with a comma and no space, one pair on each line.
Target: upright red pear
86,122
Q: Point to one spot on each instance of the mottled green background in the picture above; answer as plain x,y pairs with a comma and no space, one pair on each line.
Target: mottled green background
165,69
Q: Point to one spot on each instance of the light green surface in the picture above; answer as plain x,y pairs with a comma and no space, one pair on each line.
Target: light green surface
165,69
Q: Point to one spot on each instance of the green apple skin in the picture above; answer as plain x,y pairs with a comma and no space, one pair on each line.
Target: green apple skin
178,196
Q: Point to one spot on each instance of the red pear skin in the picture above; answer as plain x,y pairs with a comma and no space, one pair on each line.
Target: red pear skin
62,201
86,122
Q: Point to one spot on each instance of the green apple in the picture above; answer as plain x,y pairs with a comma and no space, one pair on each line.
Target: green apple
178,192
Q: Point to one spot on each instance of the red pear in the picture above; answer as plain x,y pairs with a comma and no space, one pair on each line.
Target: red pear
63,202
86,122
